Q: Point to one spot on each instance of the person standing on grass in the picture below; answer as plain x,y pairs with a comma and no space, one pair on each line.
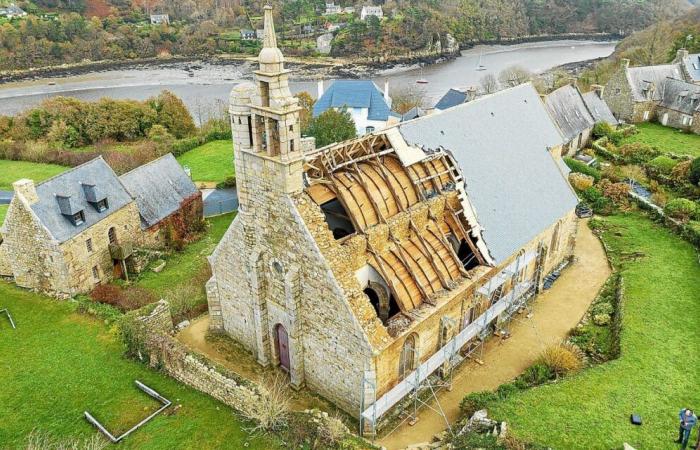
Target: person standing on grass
688,420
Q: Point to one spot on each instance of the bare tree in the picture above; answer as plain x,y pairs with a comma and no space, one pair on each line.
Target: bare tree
489,83
514,75
407,97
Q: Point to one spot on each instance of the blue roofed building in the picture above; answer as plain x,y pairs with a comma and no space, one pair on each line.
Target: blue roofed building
454,97
369,107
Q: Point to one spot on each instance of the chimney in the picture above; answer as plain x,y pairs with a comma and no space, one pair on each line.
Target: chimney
320,88
598,89
387,99
471,93
25,189
625,63
681,54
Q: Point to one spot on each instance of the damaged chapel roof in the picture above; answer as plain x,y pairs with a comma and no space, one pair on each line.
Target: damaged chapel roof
501,143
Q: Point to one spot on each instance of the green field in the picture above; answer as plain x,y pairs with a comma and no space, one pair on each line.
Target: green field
182,266
656,374
57,364
3,212
667,140
212,161
11,171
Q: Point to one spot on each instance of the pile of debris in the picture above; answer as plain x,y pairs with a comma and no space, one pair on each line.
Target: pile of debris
478,423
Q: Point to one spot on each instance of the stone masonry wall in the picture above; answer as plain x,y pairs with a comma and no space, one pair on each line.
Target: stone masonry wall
79,260
35,258
268,271
675,119
618,95
5,266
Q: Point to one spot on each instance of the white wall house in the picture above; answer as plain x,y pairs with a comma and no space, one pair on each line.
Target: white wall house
369,107
371,11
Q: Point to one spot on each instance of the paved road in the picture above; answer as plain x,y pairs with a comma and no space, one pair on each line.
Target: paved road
219,201
5,197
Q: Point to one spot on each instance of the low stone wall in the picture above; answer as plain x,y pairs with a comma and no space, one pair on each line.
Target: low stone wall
166,353
151,332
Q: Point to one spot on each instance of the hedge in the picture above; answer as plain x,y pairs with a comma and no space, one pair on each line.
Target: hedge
580,167
662,164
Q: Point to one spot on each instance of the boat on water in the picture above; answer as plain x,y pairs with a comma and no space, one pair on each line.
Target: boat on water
421,80
480,67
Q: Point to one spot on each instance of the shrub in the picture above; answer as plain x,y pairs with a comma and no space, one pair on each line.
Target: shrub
604,129
638,153
617,192
269,410
681,209
601,319
694,171
662,164
562,358
681,171
506,390
125,300
659,198
595,199
580,181
476,401
602,308
580,167
228,183
535,375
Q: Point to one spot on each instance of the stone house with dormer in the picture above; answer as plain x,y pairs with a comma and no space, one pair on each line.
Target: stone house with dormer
78,229
363,267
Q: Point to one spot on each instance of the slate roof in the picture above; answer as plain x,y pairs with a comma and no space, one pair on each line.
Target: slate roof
681,96
412,113
159,188
692,65
453,97
501,143
640,78
96,172
569,111
354,94
598,108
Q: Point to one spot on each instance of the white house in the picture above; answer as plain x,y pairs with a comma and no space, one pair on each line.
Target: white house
369,107
371,11
332,8
157,19
12,11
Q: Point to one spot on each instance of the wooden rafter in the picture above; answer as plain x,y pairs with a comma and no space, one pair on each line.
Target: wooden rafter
360,179
385,175
467,238
425,249
449,248
403,260
370,173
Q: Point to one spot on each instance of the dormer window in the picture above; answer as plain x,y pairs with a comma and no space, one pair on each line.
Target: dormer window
95,197
70,209
78,218
102,205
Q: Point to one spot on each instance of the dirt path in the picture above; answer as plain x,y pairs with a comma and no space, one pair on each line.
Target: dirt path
556,311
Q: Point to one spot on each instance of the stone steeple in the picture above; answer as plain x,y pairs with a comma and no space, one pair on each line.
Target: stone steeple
265,124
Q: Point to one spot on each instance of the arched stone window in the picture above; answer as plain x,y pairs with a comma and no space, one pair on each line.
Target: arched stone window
409,356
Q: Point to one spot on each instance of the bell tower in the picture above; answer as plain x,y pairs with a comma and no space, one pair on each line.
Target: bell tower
265,124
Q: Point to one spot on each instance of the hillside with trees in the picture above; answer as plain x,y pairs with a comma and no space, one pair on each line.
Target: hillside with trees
656,44
72,31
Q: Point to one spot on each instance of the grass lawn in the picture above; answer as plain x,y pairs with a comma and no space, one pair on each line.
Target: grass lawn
182,266
11,171
667,140
58,363
656,374
212,161
3,212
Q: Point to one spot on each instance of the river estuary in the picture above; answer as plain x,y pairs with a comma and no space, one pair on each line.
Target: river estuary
205,86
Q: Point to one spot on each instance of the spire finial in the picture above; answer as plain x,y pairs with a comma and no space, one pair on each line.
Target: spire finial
270,39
